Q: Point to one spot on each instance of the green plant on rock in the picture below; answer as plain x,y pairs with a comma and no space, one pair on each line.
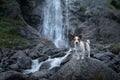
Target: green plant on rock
82,9
115,48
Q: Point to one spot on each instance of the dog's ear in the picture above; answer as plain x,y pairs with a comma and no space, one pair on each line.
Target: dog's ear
71,36
80,36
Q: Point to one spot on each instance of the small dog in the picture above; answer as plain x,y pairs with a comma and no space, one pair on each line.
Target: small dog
81,47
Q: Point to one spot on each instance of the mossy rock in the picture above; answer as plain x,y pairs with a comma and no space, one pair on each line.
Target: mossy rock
114,6
115,48
82,9
116,3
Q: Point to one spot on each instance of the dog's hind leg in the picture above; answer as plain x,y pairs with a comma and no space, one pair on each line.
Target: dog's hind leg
88,49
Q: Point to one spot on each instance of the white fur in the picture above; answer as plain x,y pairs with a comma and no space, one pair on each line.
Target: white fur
80,49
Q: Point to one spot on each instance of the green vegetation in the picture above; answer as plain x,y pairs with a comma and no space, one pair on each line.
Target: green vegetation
9,34
10,3
82,9
115,48
114,5
108,35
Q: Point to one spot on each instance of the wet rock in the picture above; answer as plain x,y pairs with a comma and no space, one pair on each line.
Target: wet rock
22,61
87,69
41,74
14,67
43,58
18,54
12,75
58,55
53,51
45,65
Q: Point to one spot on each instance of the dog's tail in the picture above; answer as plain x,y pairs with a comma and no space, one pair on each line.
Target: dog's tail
88,41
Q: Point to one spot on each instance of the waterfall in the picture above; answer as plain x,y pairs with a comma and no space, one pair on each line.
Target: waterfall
53,26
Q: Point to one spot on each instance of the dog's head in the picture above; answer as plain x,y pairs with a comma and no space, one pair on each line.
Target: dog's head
76,39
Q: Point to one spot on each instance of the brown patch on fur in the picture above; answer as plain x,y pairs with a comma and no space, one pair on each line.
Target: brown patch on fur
84,44
73,39
79,38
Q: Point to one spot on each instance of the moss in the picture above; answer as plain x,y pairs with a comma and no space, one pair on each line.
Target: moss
82,9
9,34
40,2
115,48
108,35
10,3
15,3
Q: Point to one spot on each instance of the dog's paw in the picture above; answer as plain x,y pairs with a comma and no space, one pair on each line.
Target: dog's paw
78,58
82,58
88,56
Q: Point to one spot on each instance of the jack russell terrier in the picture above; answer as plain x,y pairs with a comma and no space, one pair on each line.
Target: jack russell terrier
81,47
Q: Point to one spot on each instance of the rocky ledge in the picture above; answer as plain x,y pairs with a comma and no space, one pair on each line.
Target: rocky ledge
87,69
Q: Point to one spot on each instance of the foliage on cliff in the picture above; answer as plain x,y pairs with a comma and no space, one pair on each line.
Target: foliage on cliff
10,21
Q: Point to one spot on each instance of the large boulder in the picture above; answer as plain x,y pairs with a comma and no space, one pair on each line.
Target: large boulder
12,75
21,61
87,69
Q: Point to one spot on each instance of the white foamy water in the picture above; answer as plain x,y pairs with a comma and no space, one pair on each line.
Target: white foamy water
53,24
35,67
55,62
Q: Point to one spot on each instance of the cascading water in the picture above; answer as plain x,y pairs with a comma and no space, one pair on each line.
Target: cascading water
53,27
54,62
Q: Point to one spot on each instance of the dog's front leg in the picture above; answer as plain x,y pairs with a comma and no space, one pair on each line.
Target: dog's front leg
77,55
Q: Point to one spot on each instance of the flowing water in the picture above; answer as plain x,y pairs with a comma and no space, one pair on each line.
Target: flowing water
54,62
54,27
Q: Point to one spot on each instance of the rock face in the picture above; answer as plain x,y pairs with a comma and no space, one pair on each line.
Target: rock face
31,10
88,69
95,19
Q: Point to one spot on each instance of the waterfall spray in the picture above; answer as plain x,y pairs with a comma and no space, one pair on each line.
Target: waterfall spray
53,26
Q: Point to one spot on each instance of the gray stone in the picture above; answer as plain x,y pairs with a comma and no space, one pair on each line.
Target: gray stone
41,74
87,69
12,75
24,62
